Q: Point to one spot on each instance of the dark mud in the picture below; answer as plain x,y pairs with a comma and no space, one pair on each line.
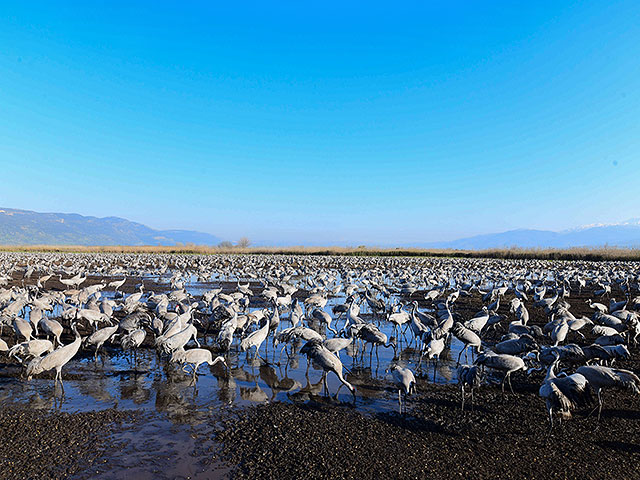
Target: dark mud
504,437
48,444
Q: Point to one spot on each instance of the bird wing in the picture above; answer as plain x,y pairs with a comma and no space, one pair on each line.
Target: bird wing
576,389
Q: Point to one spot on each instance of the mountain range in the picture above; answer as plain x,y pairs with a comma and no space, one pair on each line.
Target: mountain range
24,227
624,234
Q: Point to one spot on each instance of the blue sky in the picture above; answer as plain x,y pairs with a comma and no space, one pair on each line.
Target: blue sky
318,123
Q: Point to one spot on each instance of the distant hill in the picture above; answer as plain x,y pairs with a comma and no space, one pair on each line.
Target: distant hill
24,227
626,234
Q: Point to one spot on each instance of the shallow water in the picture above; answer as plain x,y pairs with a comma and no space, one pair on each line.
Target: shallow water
178,410
150,384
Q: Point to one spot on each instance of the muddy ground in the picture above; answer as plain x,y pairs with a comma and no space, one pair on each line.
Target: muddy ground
50,444
504,437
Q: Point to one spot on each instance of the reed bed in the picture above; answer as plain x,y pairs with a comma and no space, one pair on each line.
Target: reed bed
605,253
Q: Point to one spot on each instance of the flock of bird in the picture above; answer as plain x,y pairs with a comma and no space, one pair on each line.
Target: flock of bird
524,320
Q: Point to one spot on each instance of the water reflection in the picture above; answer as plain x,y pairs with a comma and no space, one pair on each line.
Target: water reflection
278,373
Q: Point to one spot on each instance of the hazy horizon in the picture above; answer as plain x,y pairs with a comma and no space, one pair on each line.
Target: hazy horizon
333,124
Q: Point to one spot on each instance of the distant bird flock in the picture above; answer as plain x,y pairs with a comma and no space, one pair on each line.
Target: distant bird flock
556,323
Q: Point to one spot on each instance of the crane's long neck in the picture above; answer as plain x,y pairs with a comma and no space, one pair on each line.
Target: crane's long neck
550,373
266,325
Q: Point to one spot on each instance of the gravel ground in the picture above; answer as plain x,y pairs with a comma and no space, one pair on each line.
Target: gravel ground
504,437
40,444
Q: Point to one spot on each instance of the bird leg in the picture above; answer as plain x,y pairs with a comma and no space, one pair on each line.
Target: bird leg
61,383
550,423
435,366
599,403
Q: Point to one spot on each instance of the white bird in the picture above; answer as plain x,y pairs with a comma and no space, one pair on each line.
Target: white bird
256,338
56,359
321,356
405,381
99,337
195,357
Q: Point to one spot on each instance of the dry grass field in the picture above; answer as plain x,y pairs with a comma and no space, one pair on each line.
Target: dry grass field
604,253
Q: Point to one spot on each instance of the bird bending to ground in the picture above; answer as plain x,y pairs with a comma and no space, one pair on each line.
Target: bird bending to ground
319,354
606,377
195,357
562,394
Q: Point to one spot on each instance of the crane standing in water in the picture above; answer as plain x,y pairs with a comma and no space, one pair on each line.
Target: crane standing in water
56,359
320,355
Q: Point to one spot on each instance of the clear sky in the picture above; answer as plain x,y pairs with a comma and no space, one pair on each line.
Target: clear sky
323,122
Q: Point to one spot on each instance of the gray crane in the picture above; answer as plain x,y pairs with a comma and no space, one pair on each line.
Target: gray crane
99,337
56,359
321,356
195,357
405,381
468,337
600,377
500,361
468,376
562,394
133,340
